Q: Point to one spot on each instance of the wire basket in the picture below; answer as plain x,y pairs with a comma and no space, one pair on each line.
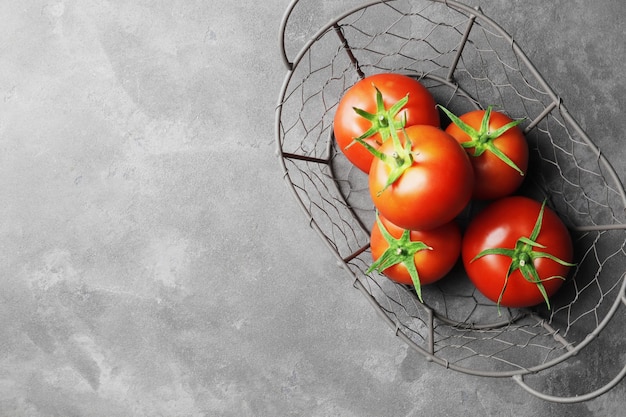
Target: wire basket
467,61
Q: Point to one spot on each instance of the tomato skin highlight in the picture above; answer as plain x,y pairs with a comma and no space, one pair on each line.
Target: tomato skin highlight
433,190
347,124
500,225
493,177
432,265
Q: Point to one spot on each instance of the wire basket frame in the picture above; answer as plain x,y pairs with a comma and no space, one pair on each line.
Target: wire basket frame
467,61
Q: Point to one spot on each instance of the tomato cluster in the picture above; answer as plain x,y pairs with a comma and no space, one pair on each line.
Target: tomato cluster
516,251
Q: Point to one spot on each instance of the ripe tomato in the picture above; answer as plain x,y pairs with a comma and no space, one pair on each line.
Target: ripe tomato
517,252
349,123
434,185
498,150
414,257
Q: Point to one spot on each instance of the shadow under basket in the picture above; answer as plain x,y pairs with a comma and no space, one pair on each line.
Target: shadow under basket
467,61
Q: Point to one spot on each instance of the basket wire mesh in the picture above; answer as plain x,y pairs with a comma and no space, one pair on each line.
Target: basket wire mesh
467,61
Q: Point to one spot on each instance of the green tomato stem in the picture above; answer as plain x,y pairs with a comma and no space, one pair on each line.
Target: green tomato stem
400,251
400,160
382,120
482,140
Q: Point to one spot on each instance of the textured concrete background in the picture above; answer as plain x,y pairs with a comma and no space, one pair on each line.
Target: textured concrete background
153,262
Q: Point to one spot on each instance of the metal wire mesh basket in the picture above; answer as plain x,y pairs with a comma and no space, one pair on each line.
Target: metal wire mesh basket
467,61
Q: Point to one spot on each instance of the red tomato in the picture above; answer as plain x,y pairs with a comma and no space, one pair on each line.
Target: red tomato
433,189
510,225
348,123
414,257
498,150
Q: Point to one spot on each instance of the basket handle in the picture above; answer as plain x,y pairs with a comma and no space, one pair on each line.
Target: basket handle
281,33
577,398
287,15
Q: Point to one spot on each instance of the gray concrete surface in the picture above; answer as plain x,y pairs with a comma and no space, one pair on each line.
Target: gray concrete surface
153,261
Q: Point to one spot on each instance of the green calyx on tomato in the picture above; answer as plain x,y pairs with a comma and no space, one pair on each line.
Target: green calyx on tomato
400,251
482,140
523,256
401,158
383,120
